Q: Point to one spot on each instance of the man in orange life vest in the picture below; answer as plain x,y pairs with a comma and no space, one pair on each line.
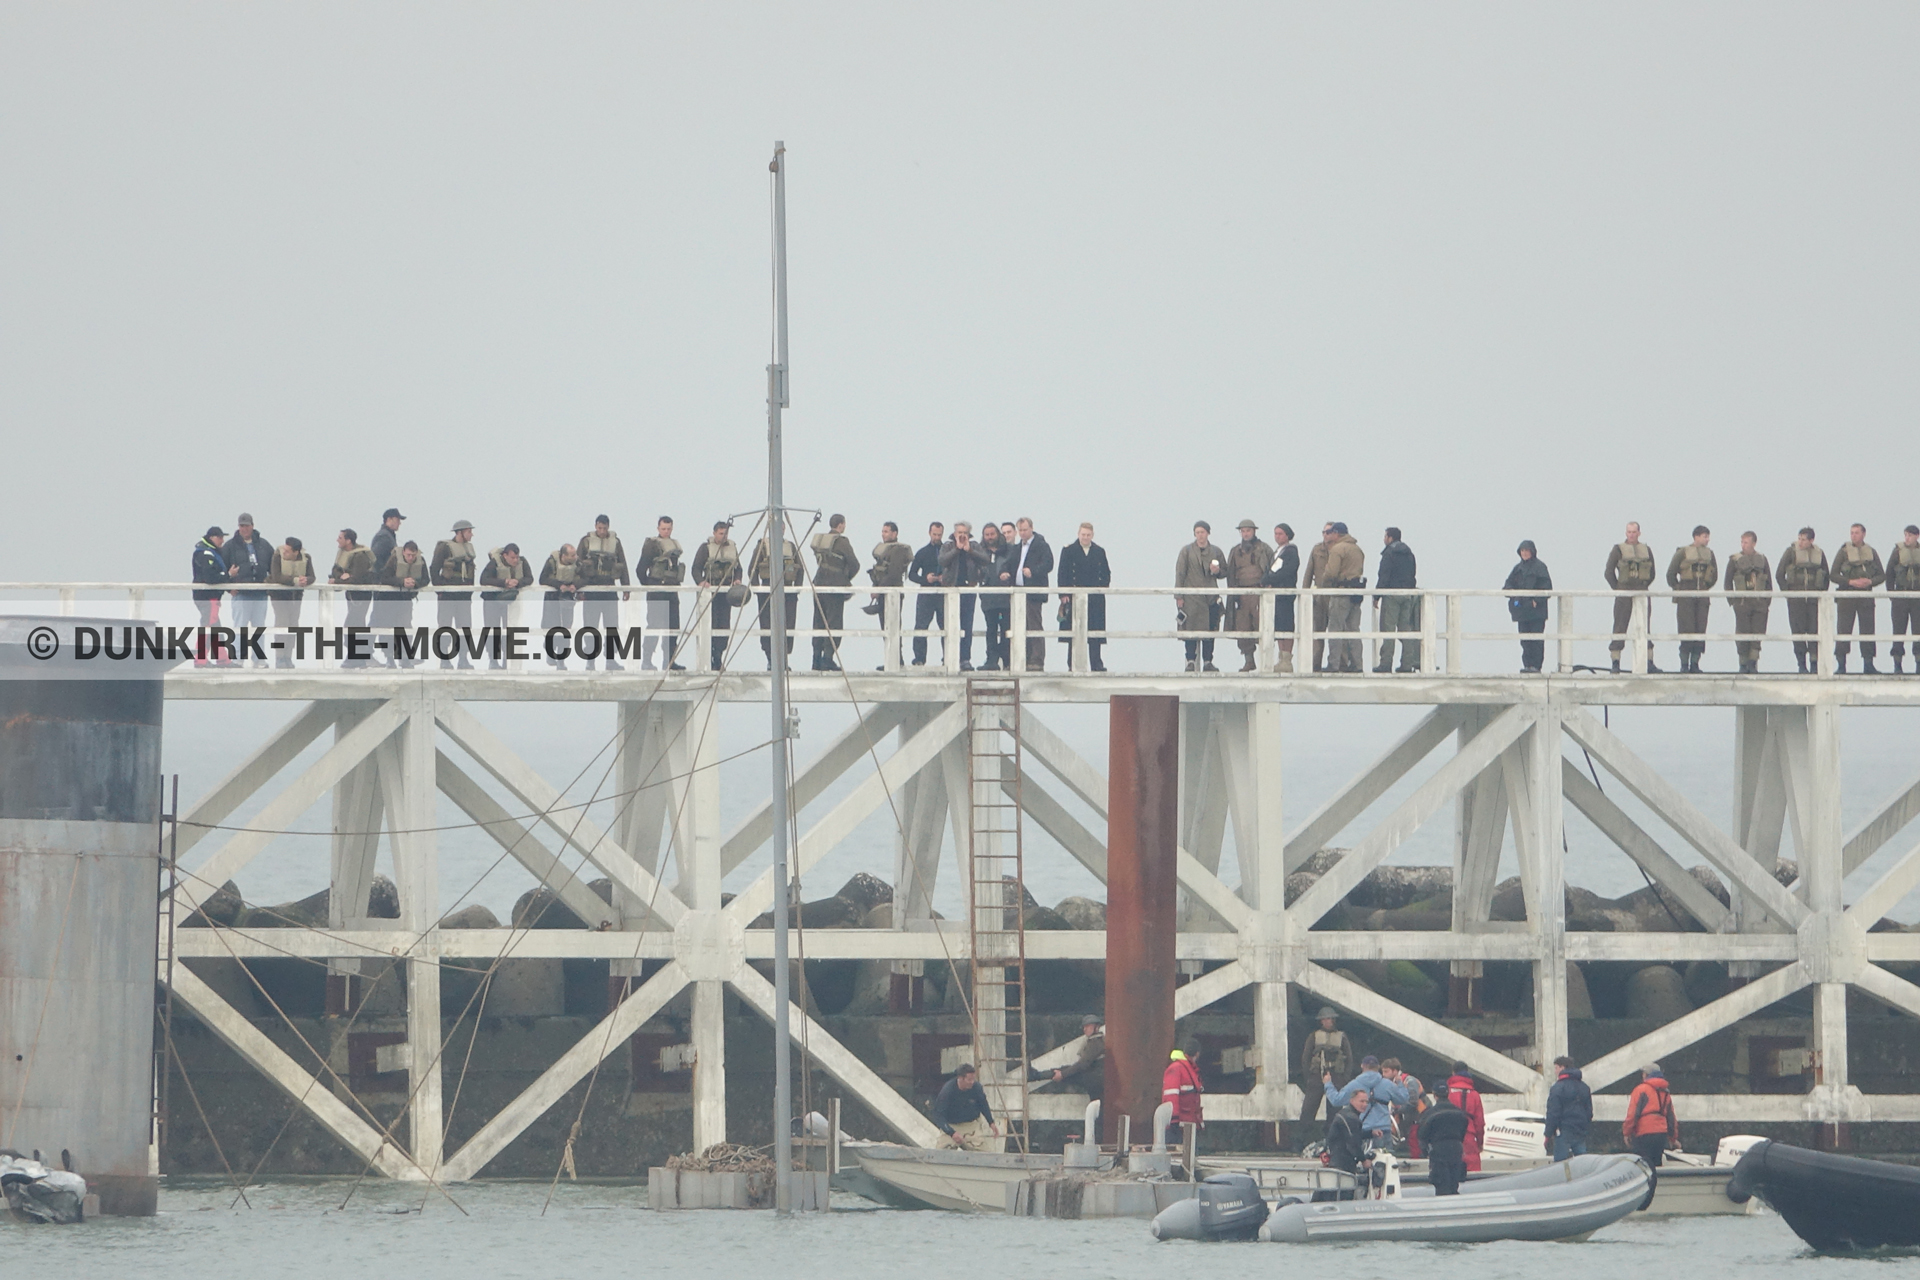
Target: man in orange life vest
1651,1129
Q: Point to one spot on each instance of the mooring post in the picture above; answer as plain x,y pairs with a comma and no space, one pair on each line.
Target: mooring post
1143,793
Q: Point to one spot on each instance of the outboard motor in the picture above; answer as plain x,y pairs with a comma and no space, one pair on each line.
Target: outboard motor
1226,1206
1231,1207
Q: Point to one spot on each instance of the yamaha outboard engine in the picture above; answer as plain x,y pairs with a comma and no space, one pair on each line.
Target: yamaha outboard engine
1230,1207
1226,1206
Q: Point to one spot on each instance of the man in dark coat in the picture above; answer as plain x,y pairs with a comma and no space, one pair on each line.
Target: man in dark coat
1083,563
209,569
1529,612
1033,562
1443,1135
1569,1112
929,606
1398,613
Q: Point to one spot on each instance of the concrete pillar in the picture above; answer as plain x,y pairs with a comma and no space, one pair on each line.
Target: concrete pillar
358,809
1549,918
1822,867
1480,828
79,889
697,849
416,866
1142,895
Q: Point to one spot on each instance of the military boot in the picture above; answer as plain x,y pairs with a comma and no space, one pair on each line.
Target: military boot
1897,668
1616,665
1867,668
1285,665
1800,657
1247,665
1840,664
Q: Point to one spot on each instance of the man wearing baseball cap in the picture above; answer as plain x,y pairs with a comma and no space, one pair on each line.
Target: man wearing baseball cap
209,569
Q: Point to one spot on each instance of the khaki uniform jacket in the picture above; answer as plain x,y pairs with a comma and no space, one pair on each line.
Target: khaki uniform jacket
1326,1052
281,573
761,573
1346,564
1248,563
1903,569
1316,570
557,575
398,570
836,565
660,564
603,561
355,565
1198,566
1693,568
1802,570
454,570
890,561
716,568
498,573
1639,571
1857,562
1748,572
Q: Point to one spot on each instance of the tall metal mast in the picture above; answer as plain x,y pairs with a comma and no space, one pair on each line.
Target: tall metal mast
777,548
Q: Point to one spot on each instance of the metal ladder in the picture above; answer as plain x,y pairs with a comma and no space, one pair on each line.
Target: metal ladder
996,897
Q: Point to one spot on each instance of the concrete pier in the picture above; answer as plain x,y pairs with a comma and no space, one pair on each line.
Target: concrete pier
79,887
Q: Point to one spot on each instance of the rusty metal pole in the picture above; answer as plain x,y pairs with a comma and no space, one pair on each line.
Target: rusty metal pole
1143,808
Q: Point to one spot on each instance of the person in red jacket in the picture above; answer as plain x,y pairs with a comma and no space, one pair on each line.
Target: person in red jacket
1462,1094
1180,1085
1651,1129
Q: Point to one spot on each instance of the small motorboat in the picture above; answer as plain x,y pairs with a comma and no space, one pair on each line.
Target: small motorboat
1566,1201
35,1193
1835,1203
960,1181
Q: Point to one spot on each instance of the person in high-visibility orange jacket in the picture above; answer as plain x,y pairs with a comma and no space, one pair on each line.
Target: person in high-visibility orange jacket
1651,1129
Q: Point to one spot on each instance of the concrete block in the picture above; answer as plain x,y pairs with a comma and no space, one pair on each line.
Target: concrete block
527,988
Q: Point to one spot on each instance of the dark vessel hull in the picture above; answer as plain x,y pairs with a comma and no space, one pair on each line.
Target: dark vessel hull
1833,1202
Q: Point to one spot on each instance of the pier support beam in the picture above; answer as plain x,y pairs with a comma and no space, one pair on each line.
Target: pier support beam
1143,791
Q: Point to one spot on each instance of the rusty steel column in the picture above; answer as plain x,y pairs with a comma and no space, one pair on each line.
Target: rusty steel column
1143,890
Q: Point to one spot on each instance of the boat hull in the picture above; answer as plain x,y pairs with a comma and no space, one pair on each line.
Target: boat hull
958,1181
1567,1201
1835,1203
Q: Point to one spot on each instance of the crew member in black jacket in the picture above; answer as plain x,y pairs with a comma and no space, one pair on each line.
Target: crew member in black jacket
1033,561
1443,1137
1285,573
929,606
1083,563
1346,1140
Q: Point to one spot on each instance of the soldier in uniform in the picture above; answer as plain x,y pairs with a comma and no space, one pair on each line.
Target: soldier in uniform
1694,567
890,560
603,563
1903,574
1803,567
1346,566
1629,572
1316,571
835,565
406,569
716,567
660,566
1199,564
454,565
291,572
507,572
1749,571
760,574
561,577
1247,566
1327,1052
1856,572
353,563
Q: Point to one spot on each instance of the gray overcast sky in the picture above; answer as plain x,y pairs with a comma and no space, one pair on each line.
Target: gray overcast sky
1485,271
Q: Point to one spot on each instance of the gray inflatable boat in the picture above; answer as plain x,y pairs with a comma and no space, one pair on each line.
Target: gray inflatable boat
1566,1201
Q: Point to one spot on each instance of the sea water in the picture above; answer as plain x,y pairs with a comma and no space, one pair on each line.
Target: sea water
504,1230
